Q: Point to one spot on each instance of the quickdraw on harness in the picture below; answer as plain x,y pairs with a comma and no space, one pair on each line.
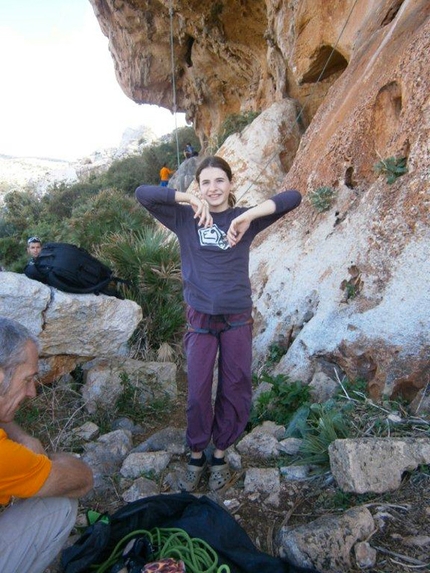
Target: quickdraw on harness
216,331
161,549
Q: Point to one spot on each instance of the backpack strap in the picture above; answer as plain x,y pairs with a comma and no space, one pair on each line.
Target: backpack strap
60,284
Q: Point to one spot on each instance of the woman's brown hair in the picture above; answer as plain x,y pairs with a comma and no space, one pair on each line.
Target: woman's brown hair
220,163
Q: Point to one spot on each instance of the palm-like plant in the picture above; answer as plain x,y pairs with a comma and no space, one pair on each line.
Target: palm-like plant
149,259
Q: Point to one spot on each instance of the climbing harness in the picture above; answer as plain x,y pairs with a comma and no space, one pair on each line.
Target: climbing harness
158,544
227,325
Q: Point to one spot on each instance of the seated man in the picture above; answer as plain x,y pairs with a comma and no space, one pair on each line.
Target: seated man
189,151
42,489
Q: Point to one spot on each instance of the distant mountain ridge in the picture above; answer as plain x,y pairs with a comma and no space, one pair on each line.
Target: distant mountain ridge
39,173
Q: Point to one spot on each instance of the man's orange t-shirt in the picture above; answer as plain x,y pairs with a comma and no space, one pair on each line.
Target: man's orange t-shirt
165,173
22,472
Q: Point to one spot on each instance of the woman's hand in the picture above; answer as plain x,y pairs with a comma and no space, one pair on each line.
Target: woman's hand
201,211
238,228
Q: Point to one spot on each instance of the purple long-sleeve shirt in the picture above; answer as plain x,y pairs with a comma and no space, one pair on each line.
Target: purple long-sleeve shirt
215,275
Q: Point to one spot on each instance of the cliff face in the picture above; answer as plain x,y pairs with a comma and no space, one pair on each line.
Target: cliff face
346,287
233,55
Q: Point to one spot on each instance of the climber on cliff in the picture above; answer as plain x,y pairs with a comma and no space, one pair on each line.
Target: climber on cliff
215,237
39,490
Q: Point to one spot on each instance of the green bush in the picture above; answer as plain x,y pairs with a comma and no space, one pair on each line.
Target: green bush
321,198
235,123
392,168
280,403
150,260
107,212
59,200
127,174
324,424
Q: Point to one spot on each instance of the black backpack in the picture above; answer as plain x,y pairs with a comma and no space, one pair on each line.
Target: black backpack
200,517
72,269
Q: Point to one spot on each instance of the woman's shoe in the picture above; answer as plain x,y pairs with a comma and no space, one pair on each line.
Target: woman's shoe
190,480
219,476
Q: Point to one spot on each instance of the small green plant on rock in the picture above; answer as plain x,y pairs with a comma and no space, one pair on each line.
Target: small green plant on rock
275,352
392,168
321,198
325,423
281,401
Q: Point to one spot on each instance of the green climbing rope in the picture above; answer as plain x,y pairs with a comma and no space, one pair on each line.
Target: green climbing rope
197,555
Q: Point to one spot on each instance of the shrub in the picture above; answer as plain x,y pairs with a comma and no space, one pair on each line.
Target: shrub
325,423
150,260
235,123
127,174
281,402
392,168
109,211
321,198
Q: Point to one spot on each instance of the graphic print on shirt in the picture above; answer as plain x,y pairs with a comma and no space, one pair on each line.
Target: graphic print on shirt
213,237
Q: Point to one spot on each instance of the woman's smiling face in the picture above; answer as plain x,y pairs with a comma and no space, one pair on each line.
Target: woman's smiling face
215,188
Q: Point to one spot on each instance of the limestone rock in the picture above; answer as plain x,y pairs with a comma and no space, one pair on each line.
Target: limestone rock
142,487
376,464
145,462
322,387
260,444
103,380
326,543
265,481
24,300
365,555
88,325
170,439
71,328
105,457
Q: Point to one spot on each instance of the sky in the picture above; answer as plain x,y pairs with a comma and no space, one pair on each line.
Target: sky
59,96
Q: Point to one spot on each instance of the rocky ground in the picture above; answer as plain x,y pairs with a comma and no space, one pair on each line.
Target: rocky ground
402,538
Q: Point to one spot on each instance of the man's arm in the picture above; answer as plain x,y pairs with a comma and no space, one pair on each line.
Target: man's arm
17,434
69,477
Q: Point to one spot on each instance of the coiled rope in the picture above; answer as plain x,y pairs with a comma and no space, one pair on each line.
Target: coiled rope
197,555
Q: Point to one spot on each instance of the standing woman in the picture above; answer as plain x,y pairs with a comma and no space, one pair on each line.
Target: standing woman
215,238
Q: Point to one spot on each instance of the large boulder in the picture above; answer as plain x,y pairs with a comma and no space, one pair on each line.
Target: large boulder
72,328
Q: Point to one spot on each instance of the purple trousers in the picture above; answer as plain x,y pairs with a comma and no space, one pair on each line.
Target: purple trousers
229,337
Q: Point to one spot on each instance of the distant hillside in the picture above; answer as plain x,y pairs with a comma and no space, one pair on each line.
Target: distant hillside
39,173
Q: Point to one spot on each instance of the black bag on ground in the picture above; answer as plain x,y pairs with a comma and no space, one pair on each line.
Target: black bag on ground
72,269
200,517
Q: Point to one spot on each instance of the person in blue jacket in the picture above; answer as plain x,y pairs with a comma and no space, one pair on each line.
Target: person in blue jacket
215,237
